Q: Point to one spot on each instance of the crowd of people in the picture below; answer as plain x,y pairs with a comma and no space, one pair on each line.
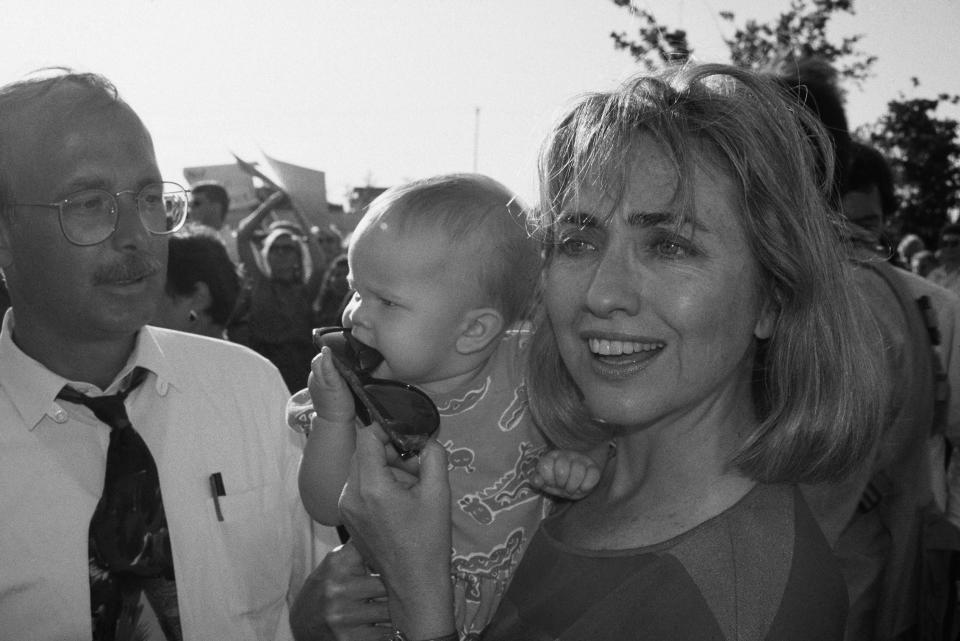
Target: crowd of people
693,393
265,285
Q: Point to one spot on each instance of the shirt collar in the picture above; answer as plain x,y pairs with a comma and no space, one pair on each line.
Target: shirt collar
33,389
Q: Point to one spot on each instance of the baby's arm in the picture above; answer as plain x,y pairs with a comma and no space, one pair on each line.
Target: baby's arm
570,474
332,440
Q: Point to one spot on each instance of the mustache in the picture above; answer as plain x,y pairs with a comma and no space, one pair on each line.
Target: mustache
131,267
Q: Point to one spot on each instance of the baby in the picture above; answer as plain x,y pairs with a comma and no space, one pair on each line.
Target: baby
443,272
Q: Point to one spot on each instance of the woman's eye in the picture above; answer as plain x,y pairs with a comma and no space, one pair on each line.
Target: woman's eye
574,246
386,302
672,248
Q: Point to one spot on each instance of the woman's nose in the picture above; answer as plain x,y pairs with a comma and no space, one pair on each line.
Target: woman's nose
615,284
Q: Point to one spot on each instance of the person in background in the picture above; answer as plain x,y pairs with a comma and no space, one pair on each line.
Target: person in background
331,244
908,246
202,286
333,293
923,262
697,310
208,207
868,196
876,519
147,477
284,281
947,273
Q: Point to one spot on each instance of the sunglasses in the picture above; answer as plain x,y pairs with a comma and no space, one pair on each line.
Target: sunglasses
406,414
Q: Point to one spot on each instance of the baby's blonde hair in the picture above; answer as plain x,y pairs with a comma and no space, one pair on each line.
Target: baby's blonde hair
481,218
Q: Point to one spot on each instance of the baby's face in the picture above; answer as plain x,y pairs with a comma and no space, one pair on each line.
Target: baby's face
412,296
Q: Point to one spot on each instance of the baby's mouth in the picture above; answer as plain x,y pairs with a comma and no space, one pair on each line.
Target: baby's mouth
367,358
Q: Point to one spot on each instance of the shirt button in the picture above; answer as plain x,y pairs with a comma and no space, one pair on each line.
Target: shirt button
162,388
60,416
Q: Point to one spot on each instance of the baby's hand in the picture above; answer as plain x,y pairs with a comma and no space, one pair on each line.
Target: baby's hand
566,473
326,400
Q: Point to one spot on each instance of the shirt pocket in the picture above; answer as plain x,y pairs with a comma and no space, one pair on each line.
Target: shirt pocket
257,546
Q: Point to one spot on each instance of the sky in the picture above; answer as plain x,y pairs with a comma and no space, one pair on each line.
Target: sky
383,91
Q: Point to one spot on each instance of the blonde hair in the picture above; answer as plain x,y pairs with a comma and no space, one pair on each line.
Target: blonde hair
481,218
817,380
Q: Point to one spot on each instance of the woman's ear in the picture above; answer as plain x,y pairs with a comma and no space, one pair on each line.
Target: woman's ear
481,326
767,320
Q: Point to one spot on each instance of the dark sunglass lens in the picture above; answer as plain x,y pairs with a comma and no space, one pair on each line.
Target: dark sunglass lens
332,338
360,358
409,417
367,358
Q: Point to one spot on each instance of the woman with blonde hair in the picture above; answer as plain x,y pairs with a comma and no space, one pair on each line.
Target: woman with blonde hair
698,313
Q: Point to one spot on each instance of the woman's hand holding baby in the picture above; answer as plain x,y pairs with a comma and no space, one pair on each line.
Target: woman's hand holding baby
402,527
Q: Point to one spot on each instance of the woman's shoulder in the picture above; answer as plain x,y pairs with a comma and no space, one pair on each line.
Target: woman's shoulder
767,556
760,570
769,523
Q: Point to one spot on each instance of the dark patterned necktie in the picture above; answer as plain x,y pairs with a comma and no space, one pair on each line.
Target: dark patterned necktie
129,542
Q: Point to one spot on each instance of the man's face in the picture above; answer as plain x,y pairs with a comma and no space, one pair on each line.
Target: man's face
61,291
205,211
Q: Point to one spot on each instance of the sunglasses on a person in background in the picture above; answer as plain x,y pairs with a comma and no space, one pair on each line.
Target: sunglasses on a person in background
406,414
950,241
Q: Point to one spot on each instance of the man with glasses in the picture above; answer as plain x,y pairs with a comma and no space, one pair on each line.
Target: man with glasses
947,274
147,479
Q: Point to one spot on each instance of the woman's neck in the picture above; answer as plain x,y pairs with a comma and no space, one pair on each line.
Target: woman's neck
663,481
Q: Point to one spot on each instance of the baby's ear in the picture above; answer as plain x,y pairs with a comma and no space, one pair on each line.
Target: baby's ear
481,326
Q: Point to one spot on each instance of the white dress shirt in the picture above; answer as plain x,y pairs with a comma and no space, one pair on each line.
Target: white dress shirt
207,406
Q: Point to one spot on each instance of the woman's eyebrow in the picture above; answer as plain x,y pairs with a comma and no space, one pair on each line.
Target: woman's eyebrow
650,218
655,218
578,219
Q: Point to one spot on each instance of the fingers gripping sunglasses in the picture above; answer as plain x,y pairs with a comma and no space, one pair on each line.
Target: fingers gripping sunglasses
406,414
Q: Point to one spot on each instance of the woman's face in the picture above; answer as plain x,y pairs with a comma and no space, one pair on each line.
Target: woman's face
653,324
285,259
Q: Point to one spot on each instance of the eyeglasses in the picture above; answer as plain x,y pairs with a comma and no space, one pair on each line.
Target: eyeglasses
406,414
950,242
89,217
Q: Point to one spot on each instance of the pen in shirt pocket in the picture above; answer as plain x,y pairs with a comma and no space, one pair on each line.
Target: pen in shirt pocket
216,488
